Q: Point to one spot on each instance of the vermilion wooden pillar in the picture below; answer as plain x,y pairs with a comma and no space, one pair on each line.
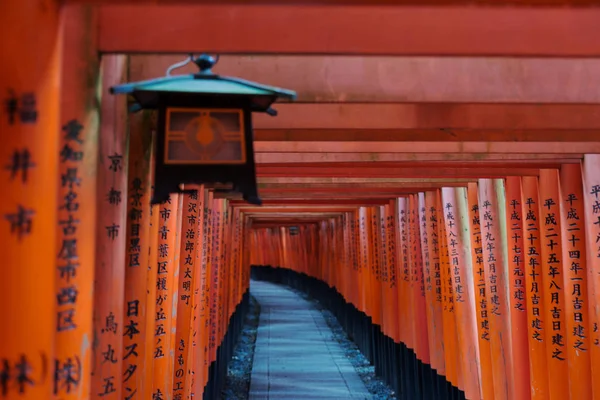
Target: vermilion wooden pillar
135,311
591,194
29,133
451,349
575,279
196,349
111,234
165,281
152,298
536,292
76,230
437,326
481,300
493,234
187,270
552,277
518,309
456,217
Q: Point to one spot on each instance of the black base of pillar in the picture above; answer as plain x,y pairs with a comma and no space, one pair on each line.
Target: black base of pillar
394,362
217,372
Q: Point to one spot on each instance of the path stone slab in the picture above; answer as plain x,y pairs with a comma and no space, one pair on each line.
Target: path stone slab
296,356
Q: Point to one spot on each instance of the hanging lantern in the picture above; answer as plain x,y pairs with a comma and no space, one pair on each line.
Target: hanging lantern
204,131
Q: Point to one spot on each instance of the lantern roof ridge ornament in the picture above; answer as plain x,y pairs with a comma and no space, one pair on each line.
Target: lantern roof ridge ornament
204,82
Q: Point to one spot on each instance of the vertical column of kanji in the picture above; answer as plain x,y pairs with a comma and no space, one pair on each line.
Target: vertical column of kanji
110,242
591,197
151,300
412,276
575,281
436,332
404,279
552,278
355,288
207,293
174,293
187,260
214,278
393,267
165,281
461,273
137,258
30,51
193,373
481,302
427,271
375,241
534,292
364,260
219,268
518,313
76,203
493,225
420,301
385,289
451,349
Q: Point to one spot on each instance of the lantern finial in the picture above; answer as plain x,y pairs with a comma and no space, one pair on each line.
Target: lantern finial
205,62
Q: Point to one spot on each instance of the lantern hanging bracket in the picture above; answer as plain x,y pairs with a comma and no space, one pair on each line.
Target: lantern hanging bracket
180,64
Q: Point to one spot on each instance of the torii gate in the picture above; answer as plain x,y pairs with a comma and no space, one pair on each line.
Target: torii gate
381,115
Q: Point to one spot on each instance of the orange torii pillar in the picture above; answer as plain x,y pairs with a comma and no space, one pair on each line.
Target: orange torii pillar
552,278
187,270
591,196
195,355
481,299
110,241
577,308
518,310
167,264
136,332
535,291
456,216
76,230
29,129
432,251
493,235
151,300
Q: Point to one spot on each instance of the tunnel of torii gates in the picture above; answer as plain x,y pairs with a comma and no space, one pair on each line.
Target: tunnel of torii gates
440,173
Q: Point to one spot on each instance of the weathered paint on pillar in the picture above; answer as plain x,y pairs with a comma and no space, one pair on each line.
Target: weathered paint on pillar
591,196
481,300
576,282
29,130
163,315
517,289
111,234
493,226
552,277
76,228
136,334
535,292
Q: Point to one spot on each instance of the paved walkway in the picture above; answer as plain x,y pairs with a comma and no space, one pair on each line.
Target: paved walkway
295,356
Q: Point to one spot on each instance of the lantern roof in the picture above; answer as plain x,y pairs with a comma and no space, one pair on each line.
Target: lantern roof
205,82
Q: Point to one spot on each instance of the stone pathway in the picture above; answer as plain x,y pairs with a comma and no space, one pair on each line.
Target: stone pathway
295,356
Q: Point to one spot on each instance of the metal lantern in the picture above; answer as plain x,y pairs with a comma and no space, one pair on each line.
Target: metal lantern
204,131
